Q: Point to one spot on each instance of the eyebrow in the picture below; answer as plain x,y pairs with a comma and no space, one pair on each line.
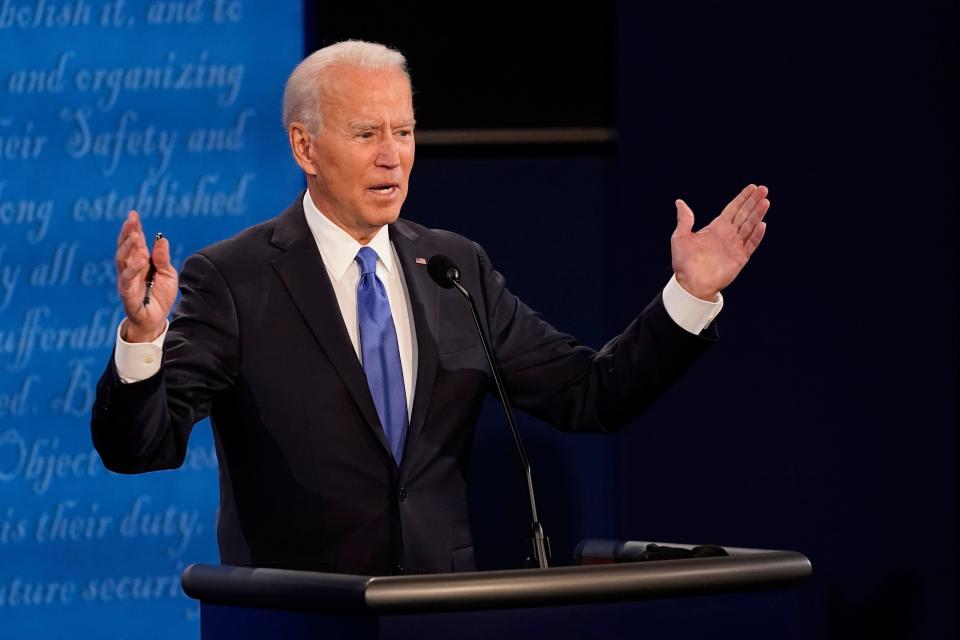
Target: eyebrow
367,126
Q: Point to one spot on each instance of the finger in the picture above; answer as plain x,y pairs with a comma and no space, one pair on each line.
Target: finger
746,229
130,231
161,254
135,266
132,258
749,205
684,218
132,245
734,205
754,240
130,225
124,251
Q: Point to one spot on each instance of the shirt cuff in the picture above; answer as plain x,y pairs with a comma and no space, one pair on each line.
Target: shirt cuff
136,361
689,312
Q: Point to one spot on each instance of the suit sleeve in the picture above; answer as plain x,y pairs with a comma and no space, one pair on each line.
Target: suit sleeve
549,375
144,426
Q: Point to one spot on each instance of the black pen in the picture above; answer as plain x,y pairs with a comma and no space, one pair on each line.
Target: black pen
151,273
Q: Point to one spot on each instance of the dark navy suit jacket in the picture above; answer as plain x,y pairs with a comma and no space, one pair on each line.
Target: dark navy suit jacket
258,343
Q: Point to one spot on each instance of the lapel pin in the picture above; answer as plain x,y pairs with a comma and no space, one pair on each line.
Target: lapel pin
420,260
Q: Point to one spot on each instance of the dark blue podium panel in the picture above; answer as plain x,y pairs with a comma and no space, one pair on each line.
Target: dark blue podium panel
768,614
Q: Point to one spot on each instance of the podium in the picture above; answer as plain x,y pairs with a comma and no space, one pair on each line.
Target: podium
244,602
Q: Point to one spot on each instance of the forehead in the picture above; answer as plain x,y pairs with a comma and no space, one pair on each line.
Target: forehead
353,92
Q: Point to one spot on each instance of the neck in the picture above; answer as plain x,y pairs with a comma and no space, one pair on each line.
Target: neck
363,236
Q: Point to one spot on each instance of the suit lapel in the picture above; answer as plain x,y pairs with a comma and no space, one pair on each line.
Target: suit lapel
301,269
426,313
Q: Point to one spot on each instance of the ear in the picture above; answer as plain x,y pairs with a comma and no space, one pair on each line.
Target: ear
301,144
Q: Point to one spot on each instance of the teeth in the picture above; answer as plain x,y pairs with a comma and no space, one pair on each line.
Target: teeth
383,189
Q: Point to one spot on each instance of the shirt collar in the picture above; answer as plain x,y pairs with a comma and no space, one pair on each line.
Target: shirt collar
337,247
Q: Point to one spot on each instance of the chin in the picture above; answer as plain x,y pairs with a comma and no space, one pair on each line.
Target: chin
388,216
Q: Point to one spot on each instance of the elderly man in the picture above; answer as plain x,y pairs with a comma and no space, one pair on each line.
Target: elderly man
343,385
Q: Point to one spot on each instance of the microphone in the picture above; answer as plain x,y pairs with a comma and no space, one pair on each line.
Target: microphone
445,273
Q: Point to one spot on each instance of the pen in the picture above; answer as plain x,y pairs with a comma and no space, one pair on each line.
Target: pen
151,273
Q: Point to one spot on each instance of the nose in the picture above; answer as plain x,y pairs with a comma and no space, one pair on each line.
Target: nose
388,155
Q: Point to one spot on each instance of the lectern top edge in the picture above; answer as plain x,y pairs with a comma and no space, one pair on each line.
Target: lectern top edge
304,590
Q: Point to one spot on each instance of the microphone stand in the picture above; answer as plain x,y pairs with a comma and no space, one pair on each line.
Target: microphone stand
540,543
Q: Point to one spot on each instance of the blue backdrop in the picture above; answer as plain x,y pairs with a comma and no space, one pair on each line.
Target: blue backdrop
172,108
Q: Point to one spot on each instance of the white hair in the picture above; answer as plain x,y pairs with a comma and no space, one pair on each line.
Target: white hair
301,97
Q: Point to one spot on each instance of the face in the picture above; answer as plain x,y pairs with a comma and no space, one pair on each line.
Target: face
358,165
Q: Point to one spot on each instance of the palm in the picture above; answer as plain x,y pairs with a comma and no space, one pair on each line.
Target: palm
162,297
707,261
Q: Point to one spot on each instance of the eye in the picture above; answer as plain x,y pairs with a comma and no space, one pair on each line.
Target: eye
405,133
365,135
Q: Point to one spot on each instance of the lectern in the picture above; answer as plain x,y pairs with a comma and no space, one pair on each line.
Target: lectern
243,602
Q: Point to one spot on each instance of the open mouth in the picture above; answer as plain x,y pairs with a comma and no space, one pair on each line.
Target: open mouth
386,189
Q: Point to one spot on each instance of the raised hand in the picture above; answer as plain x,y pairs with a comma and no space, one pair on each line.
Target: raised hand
144,322
707,261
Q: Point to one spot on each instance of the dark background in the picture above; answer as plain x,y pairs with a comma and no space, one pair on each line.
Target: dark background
489,64
825,419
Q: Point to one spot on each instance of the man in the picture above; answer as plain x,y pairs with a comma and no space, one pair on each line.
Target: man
343,385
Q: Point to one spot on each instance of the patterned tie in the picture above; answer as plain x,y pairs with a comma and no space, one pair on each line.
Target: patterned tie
381,355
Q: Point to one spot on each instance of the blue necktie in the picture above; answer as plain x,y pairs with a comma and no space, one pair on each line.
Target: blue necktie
381,354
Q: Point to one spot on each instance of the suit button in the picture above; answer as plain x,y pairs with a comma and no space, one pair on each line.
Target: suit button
403,494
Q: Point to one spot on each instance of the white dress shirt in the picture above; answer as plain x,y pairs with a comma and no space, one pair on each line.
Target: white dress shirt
139,361
339,251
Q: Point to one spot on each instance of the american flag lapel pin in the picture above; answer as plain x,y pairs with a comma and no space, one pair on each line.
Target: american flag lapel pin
420,260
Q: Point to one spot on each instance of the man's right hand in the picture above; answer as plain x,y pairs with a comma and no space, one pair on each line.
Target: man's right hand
144,323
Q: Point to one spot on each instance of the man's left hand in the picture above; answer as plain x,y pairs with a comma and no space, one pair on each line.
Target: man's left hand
707,261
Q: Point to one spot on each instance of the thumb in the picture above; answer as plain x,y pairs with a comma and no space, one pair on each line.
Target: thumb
161,253
684,218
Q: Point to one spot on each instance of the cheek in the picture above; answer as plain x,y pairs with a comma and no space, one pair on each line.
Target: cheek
343,166
345,180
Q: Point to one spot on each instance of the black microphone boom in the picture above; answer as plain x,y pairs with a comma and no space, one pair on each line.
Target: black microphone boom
445,273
